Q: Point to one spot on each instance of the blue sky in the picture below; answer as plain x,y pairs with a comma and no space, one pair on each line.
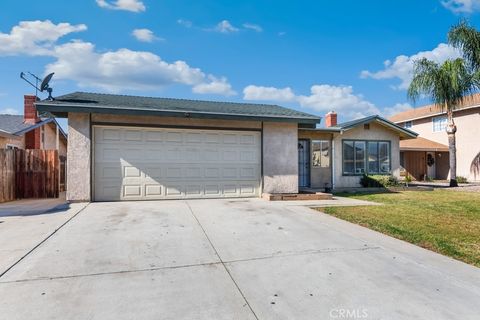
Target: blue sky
354,57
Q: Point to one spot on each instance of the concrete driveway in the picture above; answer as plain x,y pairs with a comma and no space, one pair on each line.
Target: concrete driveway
225,259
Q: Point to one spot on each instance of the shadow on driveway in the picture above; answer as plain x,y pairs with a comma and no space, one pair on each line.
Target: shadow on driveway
32,207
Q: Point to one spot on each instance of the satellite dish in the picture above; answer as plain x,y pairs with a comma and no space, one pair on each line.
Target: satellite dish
44,85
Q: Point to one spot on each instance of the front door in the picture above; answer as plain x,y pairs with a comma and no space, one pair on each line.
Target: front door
303,163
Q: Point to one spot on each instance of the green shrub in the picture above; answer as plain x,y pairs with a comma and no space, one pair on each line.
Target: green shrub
378,181
461,179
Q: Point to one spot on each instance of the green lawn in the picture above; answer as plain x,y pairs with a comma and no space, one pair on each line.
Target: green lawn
444,221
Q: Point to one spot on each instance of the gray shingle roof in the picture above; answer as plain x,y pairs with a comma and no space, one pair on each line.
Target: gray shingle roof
12,123
109,103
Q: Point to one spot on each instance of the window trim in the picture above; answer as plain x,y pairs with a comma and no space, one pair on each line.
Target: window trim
366,157
10,146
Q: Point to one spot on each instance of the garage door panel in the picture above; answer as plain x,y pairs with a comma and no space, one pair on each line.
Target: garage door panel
149,163
132,191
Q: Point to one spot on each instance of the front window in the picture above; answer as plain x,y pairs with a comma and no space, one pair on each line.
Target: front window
439,124
408,124
370,157
321,153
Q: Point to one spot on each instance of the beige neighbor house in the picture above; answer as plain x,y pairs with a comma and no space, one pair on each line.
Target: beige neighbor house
428,156
29,131
139,148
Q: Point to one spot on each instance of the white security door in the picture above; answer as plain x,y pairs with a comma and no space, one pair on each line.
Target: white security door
133,163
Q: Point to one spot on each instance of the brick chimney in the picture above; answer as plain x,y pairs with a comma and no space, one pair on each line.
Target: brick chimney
30,114
331,119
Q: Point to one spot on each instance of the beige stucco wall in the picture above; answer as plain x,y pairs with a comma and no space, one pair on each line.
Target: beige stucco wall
50,142
280,157
468,141
78,157
63,146
376,132
19,143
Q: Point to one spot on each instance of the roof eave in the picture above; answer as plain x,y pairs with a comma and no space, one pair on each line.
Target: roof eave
424,149
325,130
63,110
5,134
435,114
34,126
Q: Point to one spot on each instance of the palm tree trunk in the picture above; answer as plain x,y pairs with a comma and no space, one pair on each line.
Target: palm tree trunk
451,130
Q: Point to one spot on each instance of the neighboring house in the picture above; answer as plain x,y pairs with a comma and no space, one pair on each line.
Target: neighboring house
29,131
428,156
139,148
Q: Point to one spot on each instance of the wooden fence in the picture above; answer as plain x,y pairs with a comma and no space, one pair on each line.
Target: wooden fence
29,174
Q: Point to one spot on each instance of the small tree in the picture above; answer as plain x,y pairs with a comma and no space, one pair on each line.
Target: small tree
446,85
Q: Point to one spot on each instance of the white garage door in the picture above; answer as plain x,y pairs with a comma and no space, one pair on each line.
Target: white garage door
149,163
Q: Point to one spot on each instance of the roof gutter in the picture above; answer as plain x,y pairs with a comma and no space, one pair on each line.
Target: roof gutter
62,110
36,125
424,149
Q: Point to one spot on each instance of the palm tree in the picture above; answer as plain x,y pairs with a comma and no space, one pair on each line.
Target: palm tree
467,39
446,85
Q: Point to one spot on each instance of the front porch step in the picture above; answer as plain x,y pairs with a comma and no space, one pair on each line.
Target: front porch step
296,196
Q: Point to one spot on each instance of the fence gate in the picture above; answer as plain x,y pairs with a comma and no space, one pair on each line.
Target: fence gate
29,174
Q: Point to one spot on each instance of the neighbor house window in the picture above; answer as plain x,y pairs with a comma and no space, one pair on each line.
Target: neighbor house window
439,123
370,157
321,153
408,124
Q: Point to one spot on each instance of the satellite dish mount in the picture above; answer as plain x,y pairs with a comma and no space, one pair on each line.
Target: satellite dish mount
44,84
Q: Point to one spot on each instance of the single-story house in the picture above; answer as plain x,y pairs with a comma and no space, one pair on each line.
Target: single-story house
29,131
140,148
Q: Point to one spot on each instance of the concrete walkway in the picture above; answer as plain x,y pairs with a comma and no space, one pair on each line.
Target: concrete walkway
230,259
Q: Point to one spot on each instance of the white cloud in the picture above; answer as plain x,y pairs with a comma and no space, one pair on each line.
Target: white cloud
145,35
215,86
9,111
35,37
322,98
268,93
254,27
462,6
282,33
126,69
225,27
126,5
397,108
402,66
185,23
